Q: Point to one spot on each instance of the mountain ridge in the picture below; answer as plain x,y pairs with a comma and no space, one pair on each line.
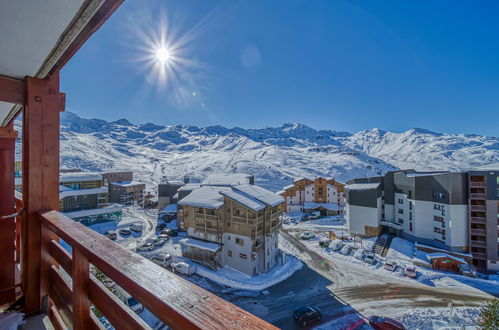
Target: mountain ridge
273,154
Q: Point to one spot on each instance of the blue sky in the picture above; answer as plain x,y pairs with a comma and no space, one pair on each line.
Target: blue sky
344,65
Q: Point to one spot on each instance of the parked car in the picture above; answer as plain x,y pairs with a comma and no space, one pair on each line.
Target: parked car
164,234
370,258
137,228
111,234
385,323
346,250
147,246
410,271
164,260
307,235
336,244
156,241
130,301
359,254
390,265
160,226
324,242
125,231
184,268
468,270
307,314
172,232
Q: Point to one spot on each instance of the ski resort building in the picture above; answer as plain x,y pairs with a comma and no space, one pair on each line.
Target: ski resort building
455,211
127,192
84,199
319,194
235,226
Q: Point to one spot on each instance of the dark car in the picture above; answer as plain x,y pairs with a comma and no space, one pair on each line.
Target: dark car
160,226
172,232
385,323
125,231
307,314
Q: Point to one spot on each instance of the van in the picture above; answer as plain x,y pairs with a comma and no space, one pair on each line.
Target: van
184,268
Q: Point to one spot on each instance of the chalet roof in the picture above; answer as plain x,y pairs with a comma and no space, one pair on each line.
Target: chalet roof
189,187
207,197
438,255
261,194
327,206
199,244
243,199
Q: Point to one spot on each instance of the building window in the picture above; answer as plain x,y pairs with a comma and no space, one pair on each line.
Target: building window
401,211
439,195
229,253
401,201
410,215
410,226
243,256
410,206
401,221
239,241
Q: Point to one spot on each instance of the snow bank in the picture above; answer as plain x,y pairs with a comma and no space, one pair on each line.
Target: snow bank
439,318
232,278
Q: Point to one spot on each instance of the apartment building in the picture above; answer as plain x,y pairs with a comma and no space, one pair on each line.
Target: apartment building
235,226
319,194
83,198
484,218
110,177
167,191
127,192
455,211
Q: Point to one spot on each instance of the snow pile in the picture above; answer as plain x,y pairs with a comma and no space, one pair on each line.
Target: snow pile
236,280
439,318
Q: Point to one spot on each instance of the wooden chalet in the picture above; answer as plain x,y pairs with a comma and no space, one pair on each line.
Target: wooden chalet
38,38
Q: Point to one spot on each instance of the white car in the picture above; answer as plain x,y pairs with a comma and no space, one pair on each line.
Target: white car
410,271
390,265
184,268
147,246
336,245
137,228
359,254
369,258
163,260
307,235
346,250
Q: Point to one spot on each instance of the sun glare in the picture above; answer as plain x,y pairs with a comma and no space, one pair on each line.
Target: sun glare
163,55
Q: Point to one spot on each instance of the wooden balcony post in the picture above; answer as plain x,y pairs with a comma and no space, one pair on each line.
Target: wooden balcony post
81,301
7,218
40,178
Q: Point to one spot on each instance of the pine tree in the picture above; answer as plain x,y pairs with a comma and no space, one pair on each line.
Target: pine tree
489,315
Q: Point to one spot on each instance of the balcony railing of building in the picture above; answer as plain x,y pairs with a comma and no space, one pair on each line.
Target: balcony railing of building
478,196
478,208
479,255
478,219
175,301
476,231
211,217
478,243
478,184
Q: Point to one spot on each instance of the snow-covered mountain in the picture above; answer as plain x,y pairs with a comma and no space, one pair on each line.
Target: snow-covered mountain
274,154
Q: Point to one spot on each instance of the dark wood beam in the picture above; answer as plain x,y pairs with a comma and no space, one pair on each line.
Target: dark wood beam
41,120
11,90
100,17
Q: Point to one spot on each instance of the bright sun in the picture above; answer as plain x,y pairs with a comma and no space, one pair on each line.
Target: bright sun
163,55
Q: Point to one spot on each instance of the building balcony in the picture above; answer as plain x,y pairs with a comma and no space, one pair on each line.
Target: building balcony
478,208
478,219
478,184
478,196
474,231
479,255
73,292
478,243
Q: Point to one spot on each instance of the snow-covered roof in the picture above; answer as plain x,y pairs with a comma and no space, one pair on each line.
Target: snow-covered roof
243,199
66,192
227,179
175,182
303,178
436,255
327,206
280,192
127,183
432,248
361,186
207,197
79,176
415,174
111,208
171,208
199,244
261,194
190,187
288,187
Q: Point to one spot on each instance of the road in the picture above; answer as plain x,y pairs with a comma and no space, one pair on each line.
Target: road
339,287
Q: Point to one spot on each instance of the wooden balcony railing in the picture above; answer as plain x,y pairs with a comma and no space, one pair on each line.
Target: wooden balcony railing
172,299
